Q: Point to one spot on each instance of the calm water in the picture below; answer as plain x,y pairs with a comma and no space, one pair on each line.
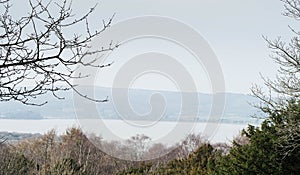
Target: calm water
223,132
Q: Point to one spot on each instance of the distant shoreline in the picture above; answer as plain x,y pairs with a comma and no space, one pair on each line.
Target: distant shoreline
224,132
228,120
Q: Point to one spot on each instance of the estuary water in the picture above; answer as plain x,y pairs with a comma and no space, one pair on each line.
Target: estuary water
222,132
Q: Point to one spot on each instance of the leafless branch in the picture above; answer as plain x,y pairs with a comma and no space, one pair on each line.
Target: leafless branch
37,50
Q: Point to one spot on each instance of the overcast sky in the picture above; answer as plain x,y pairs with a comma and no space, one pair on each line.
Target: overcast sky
233,29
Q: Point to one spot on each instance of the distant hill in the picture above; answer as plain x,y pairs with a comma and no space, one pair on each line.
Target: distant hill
237,108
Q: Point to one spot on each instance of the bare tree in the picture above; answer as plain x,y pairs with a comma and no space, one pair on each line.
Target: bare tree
287,56
138,145
283,98
38,50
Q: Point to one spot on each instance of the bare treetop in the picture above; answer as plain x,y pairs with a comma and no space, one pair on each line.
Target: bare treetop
38,54
287,55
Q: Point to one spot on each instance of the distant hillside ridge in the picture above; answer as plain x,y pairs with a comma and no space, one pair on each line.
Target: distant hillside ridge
237,106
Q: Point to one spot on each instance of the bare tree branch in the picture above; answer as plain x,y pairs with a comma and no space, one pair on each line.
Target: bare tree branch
37,50
284,107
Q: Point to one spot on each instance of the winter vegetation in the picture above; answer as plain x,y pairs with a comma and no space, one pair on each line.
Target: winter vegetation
271,148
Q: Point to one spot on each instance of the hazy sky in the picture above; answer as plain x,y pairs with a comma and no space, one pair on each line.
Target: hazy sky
233,28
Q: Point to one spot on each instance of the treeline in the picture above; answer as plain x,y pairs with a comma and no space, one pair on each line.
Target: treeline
74,153
272,148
